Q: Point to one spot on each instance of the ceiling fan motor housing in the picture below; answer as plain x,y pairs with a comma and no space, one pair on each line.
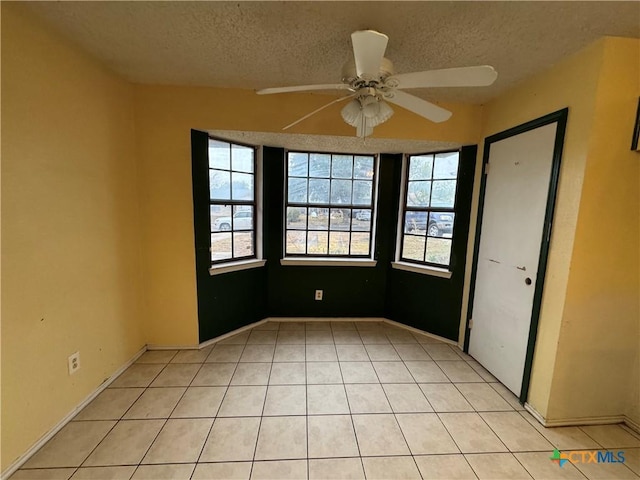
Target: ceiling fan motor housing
350,76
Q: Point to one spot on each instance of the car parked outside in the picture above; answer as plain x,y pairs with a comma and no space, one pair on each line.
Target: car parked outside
363,215
439,225
242,220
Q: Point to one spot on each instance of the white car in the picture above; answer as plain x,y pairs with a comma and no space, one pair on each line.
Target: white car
363,215
242,220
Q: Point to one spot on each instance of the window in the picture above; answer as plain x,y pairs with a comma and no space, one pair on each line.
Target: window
232,201
429,208
329,204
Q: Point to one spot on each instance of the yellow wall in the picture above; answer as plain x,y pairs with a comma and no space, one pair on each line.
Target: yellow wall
98,232
586,358
596,365
164,117
70,246
572,83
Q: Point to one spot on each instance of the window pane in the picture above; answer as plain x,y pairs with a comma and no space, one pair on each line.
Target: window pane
317,243
338,243
327,186
444,193
446,165
319,165
440,224
318,191
360,243
242,186
341,166
297,190
340,219
220,218
418,194
220,185
298,164
295,242
243,218
242,244
420,167
219,154
341,191
242,158
413,248
318,219
362,220
362,192
415,222
220,246
296,218
231,179
363,167
438,251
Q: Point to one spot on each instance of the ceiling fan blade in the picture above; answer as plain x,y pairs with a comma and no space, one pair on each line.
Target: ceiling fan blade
368,51
337,100
303,88
479,76
418,106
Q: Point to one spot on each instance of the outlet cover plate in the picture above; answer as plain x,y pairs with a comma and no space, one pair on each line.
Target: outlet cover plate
74,362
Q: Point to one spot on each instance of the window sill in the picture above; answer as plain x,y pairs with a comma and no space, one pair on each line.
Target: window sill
236,266
422,269
328,262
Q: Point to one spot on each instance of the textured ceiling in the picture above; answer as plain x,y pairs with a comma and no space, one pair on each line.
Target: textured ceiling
329,143
263,44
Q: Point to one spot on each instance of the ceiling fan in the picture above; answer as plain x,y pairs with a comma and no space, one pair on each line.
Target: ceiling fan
372,82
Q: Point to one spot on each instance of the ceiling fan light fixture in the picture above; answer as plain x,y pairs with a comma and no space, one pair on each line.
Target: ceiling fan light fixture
370,111
370,107
383,113
352,112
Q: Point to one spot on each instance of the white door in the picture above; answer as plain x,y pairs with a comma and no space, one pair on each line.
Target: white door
515,202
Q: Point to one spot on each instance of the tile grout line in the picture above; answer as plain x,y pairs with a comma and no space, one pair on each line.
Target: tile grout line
268,385
353,423
170,413
395,416
122,416
605,448
411,374
219,406
306,392
264,402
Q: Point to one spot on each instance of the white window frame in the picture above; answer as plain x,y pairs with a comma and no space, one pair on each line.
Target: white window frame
334,260
399,264
258,261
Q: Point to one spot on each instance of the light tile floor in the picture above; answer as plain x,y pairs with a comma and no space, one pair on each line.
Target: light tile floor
317,400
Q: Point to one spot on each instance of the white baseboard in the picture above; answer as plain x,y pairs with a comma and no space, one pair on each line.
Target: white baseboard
581,421
215,340
22,459
153,346
632,425
324,319
421,332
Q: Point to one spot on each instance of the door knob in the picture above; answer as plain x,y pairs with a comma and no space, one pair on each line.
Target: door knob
527,281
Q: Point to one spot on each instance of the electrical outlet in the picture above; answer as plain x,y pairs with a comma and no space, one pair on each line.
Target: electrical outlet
74,363
318,294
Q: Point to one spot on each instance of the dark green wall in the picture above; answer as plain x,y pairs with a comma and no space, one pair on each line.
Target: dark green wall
229,301
348,291
431,303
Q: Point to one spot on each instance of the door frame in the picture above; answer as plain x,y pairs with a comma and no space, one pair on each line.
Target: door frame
560,117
